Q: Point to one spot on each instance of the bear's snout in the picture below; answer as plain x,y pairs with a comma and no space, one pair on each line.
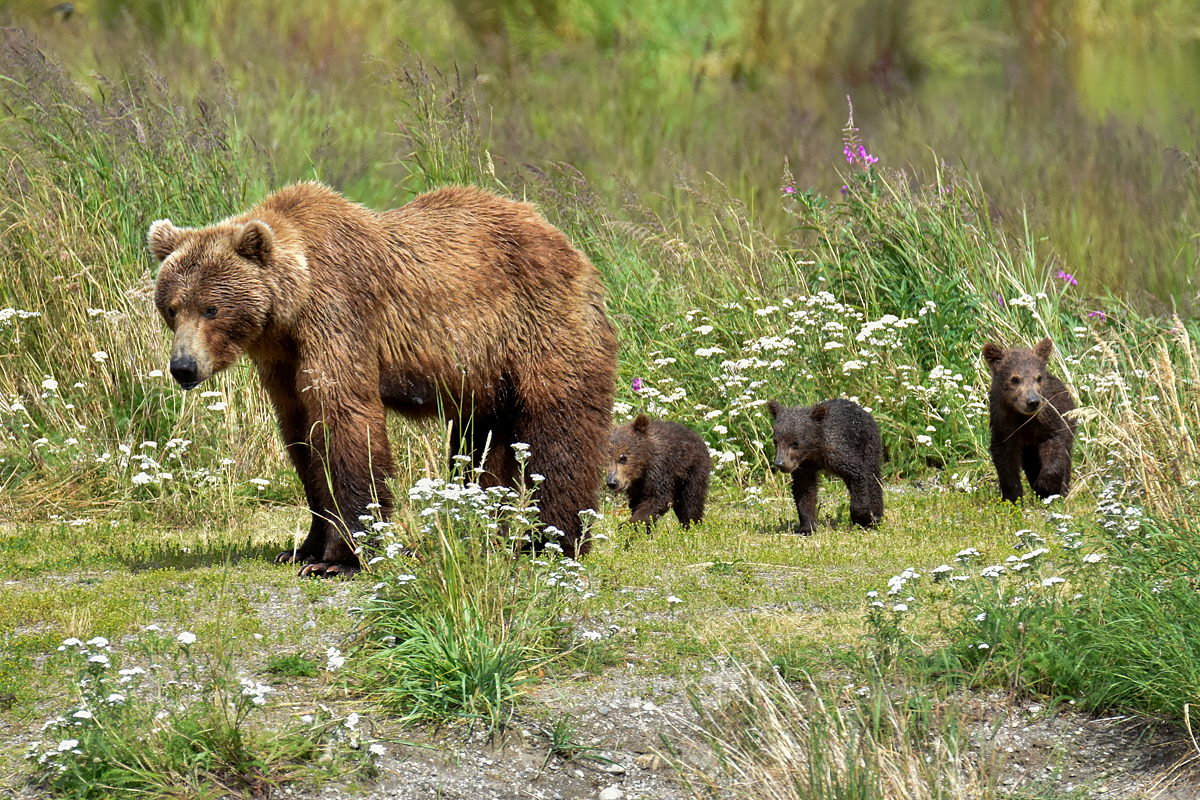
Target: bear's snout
1033,402
185,371
778,465
610,480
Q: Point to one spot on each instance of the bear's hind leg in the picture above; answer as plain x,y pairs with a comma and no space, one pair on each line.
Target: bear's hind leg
690,492
1031,464
866,501
567,446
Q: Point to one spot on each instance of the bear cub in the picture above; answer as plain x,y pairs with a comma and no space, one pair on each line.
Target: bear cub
1028,414
834,436
659,465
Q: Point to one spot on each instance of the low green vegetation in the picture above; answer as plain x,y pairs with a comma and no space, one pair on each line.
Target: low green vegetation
471,624
135,514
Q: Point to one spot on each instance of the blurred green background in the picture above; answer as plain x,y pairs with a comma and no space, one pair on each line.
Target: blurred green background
1076,117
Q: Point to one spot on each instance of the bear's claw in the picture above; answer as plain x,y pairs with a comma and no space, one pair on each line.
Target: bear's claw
289,557
323,570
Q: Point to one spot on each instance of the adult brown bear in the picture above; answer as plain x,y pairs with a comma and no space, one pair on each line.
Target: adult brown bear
461,303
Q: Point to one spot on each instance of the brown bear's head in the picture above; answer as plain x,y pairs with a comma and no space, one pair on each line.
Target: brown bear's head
797,434
1018,375
220,288
628,454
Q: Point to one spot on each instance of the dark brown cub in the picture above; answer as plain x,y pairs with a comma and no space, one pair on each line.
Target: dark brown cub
834,436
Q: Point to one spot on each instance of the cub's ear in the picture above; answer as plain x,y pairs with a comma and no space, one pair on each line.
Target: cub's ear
641,423
254,241
1043,349
992,353
774,406
163,238
819,411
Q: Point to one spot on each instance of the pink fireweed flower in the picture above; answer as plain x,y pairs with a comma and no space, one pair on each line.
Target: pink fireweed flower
1099,314
638,384
852,146
1067,278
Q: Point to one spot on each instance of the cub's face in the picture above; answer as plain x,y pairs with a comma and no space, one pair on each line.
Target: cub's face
1018,375
793,446
211,293
796,435
627,455
1021,387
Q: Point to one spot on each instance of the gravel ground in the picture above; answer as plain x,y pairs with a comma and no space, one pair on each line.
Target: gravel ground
1036,753
621,721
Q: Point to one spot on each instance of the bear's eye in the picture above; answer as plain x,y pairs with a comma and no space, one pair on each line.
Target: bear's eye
171,313
1038,379
622,459
210,312
1014,380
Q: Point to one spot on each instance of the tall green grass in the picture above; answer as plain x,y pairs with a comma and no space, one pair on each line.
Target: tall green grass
624,94
84,174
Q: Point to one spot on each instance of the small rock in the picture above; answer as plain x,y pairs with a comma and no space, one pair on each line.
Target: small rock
614,769
649,761
612,793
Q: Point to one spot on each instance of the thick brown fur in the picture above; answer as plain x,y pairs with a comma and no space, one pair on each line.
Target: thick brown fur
659,465
460,303
1030,428
834,436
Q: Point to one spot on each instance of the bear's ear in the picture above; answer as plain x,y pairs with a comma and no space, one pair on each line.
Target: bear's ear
641,423
1043,349
992,353
819,411
774,407
163,238
254,241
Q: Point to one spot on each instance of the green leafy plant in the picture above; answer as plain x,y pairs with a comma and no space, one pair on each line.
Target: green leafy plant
469,622
180,723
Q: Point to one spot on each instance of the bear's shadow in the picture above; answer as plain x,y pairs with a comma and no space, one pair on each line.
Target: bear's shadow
790,527
172,556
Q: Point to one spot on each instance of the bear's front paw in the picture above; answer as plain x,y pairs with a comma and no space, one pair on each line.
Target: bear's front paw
323,570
